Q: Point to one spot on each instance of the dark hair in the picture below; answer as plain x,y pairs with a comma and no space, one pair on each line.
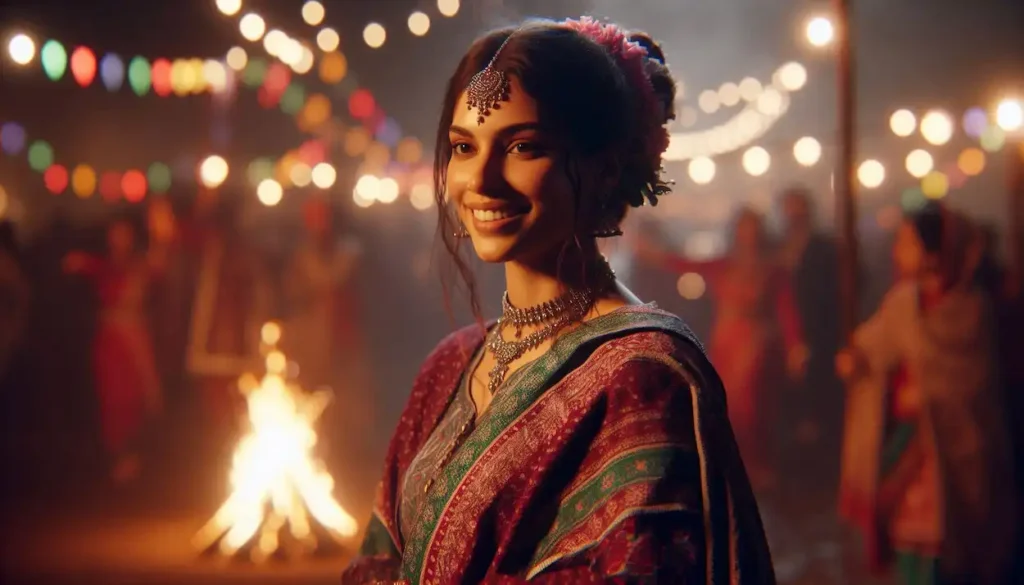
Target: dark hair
944,235
582,95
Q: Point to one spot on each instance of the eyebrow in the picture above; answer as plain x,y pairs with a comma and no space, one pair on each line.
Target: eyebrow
506,131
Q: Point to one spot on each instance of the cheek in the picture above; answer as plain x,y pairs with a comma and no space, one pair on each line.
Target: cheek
544,183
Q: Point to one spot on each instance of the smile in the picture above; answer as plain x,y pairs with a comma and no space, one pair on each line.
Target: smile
496,221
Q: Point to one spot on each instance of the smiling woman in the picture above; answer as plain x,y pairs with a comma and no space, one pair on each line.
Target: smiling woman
582,437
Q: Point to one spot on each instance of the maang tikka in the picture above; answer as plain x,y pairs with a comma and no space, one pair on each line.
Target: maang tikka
488,88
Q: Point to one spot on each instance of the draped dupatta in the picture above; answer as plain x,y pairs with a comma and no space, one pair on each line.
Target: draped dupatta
609,458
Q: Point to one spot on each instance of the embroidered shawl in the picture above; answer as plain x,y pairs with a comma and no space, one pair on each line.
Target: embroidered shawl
608,459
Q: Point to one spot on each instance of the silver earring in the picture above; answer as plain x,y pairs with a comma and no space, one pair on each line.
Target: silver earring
461,231
607,229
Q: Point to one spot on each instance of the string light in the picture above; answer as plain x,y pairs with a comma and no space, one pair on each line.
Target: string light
374,35
701,170
903,123
313,12
237,58
937,127
807,151
419,23
22,49
919,163
269,192
448,8
819,31
1010,115
324,175
328,39
387,190
229,7
756,161
252,26
871,174
213,171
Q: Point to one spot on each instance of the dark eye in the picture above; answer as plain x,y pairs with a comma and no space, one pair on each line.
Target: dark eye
525,147
461,147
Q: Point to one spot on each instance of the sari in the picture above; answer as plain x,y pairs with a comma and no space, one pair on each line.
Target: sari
936,485
608,459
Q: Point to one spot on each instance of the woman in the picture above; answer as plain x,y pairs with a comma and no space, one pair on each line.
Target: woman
583,437
127,383
926,469
756,338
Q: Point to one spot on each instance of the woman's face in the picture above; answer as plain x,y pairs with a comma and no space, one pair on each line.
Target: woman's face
508,181
907,251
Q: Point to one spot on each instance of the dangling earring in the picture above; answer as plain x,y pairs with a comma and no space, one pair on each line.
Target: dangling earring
461,231
607,230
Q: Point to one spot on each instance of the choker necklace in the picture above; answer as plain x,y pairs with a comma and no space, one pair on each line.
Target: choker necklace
555,314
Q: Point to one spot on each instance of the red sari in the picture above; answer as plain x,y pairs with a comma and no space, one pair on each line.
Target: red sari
606,460
756,326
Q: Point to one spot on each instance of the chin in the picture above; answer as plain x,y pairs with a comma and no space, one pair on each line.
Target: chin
494,249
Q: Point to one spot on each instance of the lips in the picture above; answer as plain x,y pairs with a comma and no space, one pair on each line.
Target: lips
496,219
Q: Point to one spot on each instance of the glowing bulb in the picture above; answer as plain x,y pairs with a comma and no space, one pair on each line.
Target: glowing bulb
820,31
871,173
419,23
448,7
367,187
324,175
807,151
213,171
903,123
237,58
691,286
269,192
701,170
229,7
22,49
275,42
387,190
937,127
708,101
313,12
919,163
421,196
270,333
792,76
252,27
756,161
374,35
1010,115
328,39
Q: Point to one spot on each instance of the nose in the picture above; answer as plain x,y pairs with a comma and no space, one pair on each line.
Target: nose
485,173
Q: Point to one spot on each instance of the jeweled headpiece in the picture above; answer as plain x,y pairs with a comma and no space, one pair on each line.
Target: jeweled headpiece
488,88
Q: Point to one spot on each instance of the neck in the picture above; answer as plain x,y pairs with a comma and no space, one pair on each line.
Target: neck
533,283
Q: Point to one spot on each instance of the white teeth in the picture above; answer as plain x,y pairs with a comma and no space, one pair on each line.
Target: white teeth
490,214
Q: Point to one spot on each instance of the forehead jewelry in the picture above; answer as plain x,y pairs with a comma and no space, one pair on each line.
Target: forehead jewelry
488,88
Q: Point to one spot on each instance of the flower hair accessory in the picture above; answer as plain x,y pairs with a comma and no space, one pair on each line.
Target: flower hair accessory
632,59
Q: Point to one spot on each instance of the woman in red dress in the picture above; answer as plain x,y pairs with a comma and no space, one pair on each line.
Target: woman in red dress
127,384
756,338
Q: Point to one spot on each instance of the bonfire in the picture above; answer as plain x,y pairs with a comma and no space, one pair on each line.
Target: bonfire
280,492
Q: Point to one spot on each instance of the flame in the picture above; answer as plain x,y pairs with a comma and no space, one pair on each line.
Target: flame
275,479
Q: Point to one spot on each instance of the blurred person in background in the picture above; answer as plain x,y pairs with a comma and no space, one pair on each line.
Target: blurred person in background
756,337
583,437
124,367
927,473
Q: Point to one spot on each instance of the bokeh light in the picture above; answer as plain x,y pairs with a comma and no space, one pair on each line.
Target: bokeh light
313,12
110,185
1010,115
269,192
159,177
213,171
421,196
83,66
229,7
971,162
409,151
40,156
139,77
83,181
161,77
807,151
252,27
112,72
324,175
357,140
133,186
871,173
935,185
919,163
691,286
12,138
708,101
792,76
992,139
903,123
387,190
361,104
258,170
22,49
937,127
448,8
237,58
756,161
819,31
419,23
374,35
333,67
701,170
54,59
55,179
975,121
328,40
